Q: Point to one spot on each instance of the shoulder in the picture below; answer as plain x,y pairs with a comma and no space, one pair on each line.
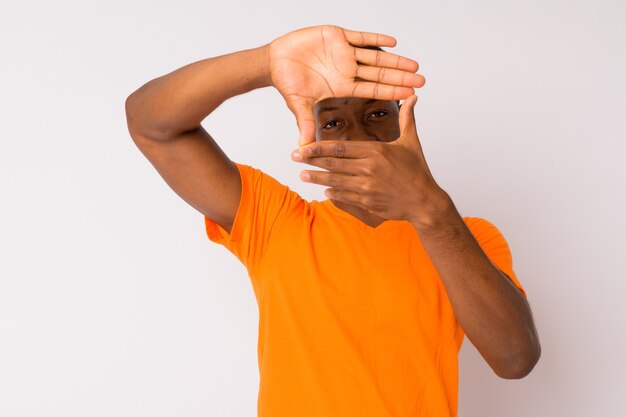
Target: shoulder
257,182
256,173
477,222
488,236
480,226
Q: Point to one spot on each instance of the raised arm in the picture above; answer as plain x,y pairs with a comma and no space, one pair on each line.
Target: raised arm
164,118
306,66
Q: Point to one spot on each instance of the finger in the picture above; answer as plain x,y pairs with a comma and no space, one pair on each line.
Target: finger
339,149
408,129
305,120
407,117
347,196
369,89
384,59
389,76
342,165
331,179
357,38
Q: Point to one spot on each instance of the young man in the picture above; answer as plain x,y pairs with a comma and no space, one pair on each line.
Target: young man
364,298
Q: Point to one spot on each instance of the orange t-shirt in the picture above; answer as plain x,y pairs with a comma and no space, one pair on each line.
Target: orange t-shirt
353,320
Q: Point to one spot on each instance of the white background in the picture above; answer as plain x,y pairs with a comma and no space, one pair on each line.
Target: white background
113,302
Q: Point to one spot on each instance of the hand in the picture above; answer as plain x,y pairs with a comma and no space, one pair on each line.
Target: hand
389,179
312,64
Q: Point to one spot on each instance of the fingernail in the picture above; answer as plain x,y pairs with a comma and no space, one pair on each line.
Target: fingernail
305,176
296,155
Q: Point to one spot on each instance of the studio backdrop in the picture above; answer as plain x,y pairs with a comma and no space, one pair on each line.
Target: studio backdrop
113,301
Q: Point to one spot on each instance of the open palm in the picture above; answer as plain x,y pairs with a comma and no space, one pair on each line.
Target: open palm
312,64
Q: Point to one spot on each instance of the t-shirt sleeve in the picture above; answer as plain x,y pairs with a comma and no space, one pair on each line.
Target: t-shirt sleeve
495,247
263,202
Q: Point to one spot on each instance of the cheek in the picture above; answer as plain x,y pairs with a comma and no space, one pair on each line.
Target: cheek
321,135
396,133
328,136
389,132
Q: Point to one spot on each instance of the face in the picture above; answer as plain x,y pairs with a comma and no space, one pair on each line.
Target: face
356,119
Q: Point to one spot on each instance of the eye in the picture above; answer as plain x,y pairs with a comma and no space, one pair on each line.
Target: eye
330,125
378,114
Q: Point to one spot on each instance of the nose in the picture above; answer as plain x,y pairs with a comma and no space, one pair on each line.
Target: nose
358,131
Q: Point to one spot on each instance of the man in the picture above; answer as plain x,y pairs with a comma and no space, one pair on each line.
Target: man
364,298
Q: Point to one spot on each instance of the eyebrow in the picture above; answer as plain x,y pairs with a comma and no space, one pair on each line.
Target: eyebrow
325,109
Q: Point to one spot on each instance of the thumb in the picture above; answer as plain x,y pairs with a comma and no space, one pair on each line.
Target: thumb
408,130
306,125
305,121
407,118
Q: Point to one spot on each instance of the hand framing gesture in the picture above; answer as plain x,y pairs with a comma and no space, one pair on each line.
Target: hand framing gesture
312,64
390,179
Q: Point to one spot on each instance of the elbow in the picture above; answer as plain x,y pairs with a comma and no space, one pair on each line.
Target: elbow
134,120
142,127
520,366
131,118
130,104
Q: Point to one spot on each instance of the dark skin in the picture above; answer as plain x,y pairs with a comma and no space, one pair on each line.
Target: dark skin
376,170
374,177
357,119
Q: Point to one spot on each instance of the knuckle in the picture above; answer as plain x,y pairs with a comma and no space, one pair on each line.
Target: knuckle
333,181
366,188
339,149
366,169
329,163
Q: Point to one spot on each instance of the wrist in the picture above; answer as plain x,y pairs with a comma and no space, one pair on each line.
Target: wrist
258,68
263,64
437,210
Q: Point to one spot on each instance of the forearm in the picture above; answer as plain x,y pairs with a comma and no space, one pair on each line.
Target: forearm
167,106
492,311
